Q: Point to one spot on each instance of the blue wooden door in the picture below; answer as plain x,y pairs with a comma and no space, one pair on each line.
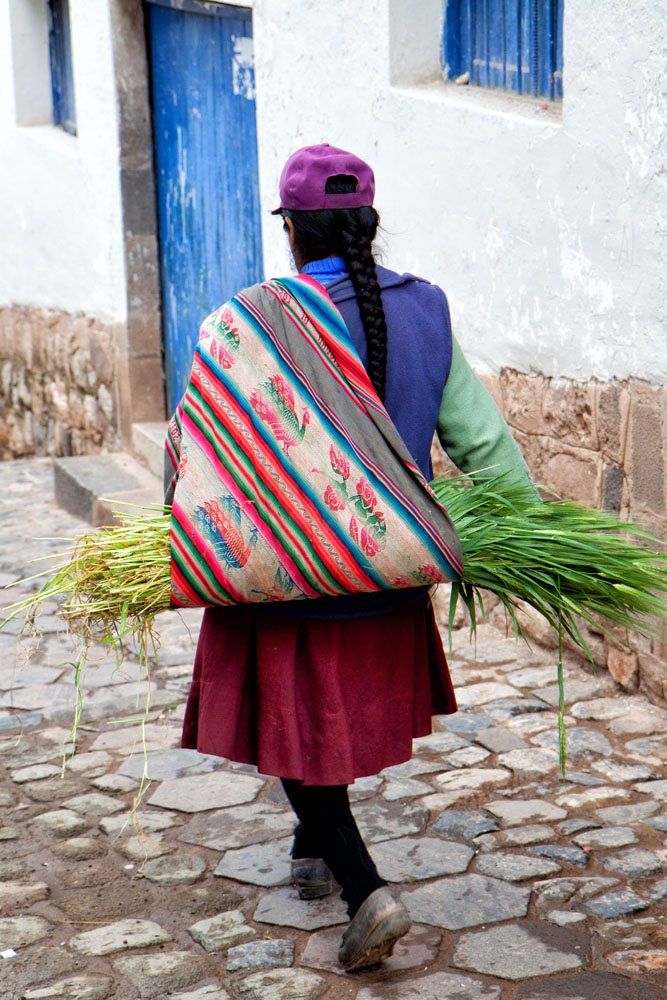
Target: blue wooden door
206,165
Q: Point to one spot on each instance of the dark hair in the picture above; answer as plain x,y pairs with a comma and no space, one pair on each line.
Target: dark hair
349,233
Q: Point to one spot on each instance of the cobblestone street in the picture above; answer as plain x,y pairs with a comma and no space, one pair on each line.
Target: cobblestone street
520,887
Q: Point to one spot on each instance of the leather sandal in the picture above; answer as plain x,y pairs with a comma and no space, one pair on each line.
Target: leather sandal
312,876
374,930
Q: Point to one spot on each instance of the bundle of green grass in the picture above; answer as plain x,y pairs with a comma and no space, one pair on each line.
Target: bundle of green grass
569,563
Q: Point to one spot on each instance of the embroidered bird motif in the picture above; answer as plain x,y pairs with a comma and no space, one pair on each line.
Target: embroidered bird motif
220,521
274,402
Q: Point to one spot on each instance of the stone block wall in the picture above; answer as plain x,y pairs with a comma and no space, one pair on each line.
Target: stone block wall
605,445
58,385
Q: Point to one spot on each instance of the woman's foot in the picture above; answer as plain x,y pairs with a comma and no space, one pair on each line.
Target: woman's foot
312,877
374,930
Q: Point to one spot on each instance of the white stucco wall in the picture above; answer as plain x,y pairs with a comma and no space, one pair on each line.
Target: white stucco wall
546,232
61,241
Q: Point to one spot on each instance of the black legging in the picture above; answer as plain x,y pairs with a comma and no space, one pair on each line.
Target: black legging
328,830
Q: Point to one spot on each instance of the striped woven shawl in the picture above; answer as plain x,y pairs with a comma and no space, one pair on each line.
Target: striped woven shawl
286,475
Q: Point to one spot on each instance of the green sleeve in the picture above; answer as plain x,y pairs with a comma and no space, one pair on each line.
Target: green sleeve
472,429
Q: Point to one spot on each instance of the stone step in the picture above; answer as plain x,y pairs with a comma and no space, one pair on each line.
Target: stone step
91,486
148,444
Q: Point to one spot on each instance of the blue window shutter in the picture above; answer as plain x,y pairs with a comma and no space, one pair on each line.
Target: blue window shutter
507,44
62,77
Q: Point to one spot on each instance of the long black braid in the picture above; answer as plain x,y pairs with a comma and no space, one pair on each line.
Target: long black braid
349,233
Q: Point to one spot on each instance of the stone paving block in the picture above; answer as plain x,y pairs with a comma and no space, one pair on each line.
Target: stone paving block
440,743
404,788
37,772
157,736
658,822
222,931
650,745
642,720
88,987
533,759
618,903
464,722
511,952
60,823
119,936
656,789
601,709
503,709
283,908
204,993
658,891
282,984
18,932
640,960
578,688
409,769
470,779
79,848
92,764
465,901
114,783
95,804
532,677
174,869
45,698
200,793
169,764
562,852
590,986
497,739
419,947
238,826
437,986
154,975
591,796
464,823
615,771
481,694
635,862
21,894
515,867
141,848
515,811
622,815
35,966
580,741
27,675
612,836
563,918
259,864
467,757
273,953
419,858
534,833
149,820
14,719
388,820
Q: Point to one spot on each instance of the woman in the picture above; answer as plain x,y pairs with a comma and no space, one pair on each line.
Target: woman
322,691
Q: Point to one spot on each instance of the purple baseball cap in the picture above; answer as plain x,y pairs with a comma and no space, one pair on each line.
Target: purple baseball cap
304,177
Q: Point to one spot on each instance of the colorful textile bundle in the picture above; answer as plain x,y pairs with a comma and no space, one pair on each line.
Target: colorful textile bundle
289,479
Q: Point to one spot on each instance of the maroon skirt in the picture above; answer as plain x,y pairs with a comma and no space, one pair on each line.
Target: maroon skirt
321,700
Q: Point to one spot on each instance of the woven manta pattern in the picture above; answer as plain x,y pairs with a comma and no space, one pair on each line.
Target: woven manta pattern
288,480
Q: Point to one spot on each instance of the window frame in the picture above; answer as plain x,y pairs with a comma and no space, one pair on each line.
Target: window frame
514,46
62,75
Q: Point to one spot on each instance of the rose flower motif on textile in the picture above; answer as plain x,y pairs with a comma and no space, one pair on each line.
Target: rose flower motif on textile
367,525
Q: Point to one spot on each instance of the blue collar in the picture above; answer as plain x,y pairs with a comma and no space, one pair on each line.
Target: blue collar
326,270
